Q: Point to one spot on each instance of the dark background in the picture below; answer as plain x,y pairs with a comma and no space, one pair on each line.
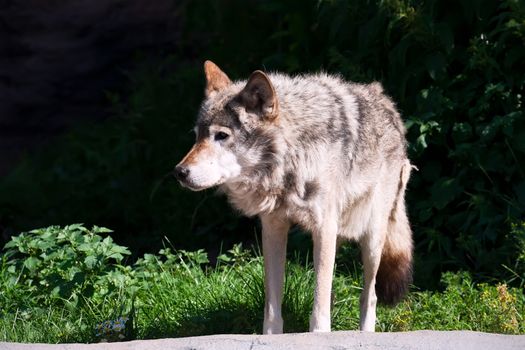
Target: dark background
97,99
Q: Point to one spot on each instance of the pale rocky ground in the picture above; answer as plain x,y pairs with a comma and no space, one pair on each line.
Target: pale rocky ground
427,340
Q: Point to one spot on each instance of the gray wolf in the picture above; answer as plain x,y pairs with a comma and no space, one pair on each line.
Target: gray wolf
316,151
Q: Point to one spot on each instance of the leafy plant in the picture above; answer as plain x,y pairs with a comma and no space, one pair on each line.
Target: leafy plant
463,304
70,263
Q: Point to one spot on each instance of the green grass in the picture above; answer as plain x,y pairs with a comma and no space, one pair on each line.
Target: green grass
175,294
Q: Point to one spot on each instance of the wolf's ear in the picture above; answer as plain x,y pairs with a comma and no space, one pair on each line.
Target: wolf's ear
259,96
216,79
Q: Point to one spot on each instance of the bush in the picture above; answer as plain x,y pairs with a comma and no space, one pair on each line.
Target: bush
462,304
65,280
70,263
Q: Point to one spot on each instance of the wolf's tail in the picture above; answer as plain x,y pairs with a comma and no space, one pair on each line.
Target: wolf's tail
395,270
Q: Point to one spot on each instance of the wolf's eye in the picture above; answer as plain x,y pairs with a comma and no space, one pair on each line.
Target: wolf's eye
221,136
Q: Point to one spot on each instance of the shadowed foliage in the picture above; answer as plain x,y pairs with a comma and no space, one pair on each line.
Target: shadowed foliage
455,69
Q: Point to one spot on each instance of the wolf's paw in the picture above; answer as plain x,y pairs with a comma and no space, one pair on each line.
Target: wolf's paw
274,326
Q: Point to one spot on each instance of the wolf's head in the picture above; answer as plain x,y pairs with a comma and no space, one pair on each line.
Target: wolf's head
234,131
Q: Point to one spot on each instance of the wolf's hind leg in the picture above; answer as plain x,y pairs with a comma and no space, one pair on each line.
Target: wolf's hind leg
324,259
274,238
371,248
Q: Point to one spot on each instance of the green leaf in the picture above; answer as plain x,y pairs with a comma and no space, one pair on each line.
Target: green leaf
13,243
90,261
87,247
45,244
421,141
429,127
74,227
117,256
120,249
32,263
97,229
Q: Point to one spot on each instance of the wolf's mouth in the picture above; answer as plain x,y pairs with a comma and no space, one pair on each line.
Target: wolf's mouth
195,187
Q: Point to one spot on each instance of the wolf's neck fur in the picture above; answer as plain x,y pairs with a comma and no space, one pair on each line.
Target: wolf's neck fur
261,186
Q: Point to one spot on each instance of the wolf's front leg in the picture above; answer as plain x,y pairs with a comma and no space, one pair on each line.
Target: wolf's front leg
324,260
274,237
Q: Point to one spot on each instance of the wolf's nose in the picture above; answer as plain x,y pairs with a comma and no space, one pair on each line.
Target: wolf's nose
181,173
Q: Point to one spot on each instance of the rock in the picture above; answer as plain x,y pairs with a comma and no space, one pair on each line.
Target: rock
427,340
